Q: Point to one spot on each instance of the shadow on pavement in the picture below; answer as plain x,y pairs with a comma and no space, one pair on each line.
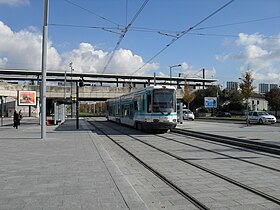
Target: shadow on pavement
70,125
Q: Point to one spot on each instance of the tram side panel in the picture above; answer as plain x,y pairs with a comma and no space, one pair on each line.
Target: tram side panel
142,109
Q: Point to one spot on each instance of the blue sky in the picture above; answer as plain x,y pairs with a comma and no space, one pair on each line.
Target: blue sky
244,35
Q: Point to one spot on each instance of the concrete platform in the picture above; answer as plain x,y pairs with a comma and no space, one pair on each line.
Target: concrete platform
254,132
74,169
68,170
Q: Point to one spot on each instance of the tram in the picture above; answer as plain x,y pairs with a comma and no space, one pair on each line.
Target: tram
151,109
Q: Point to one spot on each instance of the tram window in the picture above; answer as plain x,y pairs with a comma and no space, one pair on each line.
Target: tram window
139,103
149,103
164,101
131,111
126,110
143,103
122,110
116,109
112,109
135,105
119,109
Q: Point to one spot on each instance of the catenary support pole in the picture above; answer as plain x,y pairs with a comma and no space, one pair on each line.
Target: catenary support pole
2,110
77,106
44,73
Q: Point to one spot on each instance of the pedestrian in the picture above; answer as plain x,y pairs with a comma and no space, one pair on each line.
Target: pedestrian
16,119
20,117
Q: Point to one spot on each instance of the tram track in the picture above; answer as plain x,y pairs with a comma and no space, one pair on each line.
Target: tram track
186,195
258,146
225,155
207,170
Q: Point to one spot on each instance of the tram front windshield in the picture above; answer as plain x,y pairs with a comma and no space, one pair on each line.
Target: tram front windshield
164,101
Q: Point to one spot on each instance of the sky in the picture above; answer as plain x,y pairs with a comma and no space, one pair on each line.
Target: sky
143,37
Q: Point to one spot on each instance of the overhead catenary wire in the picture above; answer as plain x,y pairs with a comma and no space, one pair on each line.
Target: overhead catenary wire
108,29
223,35
124,31
238,23
184,33
91,12
163,31
118,29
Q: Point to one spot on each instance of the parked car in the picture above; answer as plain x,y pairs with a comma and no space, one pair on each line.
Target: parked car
260,117
188,114
223,114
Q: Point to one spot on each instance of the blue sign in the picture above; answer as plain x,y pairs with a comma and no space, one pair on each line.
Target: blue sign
210,102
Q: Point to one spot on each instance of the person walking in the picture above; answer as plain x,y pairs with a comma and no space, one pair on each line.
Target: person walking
20,117
16,119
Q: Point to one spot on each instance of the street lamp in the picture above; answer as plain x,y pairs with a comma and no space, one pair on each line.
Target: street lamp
247,103
71,69
170,67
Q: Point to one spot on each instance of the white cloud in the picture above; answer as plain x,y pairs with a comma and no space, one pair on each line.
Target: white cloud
23,50
222,58
3,61
88,59
253,52
189,71
14,2
161,74
268,77
192,72
258,53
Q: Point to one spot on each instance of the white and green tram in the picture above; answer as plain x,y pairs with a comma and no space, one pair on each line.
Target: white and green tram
150,109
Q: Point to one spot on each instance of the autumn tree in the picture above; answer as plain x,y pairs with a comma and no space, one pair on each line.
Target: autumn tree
273,98
188,96
246,86
84,108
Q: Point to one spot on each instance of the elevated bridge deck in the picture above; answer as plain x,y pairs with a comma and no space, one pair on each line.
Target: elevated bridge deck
86,93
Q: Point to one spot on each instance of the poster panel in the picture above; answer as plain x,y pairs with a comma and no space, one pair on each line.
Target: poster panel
26,98
210,102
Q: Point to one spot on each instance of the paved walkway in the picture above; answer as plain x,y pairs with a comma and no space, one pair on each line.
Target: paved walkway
255,132
68,170
72,170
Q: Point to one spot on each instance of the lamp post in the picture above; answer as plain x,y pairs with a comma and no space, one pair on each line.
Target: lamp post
65,85
247,104
170,69
71,69
2,108
44,71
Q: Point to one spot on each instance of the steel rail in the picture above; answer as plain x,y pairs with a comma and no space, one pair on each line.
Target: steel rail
225,155
259,146
156,173
230,180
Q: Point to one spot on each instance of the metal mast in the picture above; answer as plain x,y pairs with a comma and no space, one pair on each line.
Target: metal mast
44,73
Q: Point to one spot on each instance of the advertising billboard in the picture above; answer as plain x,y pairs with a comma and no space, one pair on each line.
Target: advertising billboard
210,102
26,98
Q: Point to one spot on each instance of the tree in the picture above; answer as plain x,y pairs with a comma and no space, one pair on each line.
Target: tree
273,98
210,91
246,86
188,94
